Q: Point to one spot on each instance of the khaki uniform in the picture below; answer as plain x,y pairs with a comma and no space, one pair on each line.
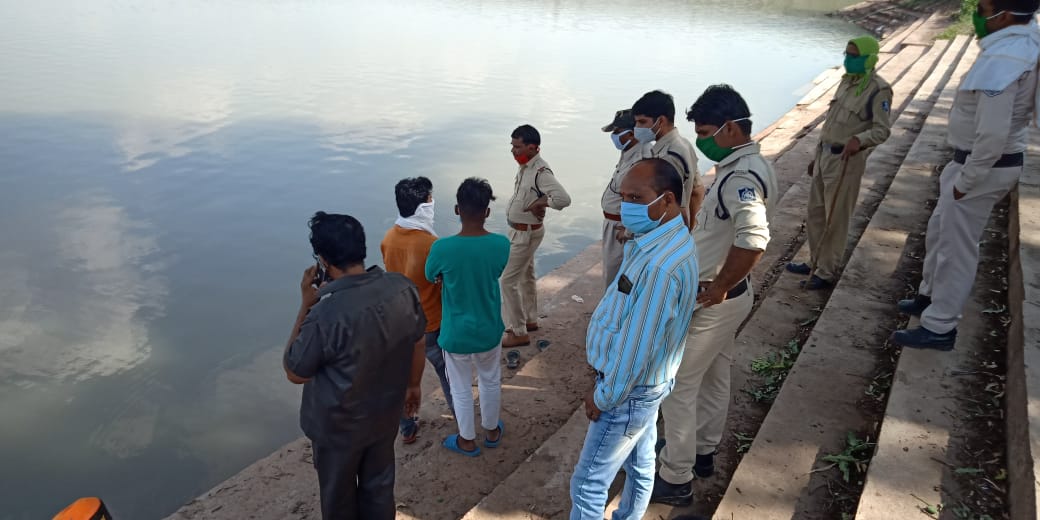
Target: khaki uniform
735,212
675,149
991,126
865,116
614,251
519,294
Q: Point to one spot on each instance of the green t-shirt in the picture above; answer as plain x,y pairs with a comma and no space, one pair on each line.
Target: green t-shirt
471,318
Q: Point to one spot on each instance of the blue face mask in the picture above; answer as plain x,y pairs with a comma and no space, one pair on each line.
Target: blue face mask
646,134
636,217
617,140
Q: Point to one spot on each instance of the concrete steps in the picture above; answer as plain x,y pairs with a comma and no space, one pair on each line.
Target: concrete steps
818,404
538,488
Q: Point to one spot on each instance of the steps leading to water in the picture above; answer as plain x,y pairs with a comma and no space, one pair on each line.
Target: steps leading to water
529,477
817,405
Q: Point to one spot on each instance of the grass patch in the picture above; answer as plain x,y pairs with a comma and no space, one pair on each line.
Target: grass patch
962,23
773,369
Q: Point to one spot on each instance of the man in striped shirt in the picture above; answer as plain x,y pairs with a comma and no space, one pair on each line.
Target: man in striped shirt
634,343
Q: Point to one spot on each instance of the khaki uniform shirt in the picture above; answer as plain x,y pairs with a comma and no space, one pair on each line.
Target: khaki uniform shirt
611,199
990,124
849,115
525,192
675,149
736,209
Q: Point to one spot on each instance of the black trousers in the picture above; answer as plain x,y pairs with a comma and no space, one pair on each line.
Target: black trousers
357,483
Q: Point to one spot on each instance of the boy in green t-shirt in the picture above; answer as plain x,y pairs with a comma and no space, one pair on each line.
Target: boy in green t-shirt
469,265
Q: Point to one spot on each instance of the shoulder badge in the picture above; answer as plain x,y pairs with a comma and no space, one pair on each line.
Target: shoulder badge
992,93
746,194
885,106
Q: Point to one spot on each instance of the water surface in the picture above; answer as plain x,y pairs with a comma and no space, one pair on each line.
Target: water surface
159,161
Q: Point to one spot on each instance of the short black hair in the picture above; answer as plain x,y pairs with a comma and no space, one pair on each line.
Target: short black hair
412,192
527,134
718,104
666,178
339,239
1017,6
655,104
474,197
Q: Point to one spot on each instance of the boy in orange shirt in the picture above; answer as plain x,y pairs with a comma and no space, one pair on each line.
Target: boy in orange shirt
405,248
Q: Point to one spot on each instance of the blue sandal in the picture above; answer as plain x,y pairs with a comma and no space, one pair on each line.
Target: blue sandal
501,432
452,443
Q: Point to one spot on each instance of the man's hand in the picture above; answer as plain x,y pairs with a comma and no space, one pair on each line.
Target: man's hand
308,292
957,195
412,399
621,234
812,168
537,208
851,148
711,295
590,405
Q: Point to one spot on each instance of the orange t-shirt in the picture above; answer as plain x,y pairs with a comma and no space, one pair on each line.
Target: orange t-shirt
405,252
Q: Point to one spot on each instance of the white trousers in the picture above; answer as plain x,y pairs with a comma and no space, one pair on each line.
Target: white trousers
695,411
952,243
613,252
460,368
519,286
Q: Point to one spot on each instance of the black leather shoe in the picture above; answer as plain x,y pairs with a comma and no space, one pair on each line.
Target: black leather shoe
816,283
916,305
925,339
704,466
802,268
678,495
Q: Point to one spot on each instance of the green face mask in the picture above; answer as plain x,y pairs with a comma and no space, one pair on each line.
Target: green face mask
856,64
710,147
979,22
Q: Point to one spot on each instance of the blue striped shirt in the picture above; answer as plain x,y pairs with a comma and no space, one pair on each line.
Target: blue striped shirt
637,338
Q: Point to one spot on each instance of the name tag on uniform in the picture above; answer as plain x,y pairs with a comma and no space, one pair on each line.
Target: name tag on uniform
624,285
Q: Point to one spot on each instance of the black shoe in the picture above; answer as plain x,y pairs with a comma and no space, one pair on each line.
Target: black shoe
691,517
816,283
704,466
802,268
678,495
915,306
925,339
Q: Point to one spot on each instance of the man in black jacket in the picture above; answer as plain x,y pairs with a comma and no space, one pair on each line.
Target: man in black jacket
352,348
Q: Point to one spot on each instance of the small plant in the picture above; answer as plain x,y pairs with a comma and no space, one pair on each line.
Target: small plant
853,460
773,367
743,442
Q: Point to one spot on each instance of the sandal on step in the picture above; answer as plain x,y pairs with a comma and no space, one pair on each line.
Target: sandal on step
501,432
452,443
513,359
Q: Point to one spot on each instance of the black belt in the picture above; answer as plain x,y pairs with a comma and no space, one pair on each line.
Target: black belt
1008,160
736,291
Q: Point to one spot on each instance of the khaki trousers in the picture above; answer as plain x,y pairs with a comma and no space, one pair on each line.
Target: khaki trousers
952,243
519,290
827,245
695,411
613,252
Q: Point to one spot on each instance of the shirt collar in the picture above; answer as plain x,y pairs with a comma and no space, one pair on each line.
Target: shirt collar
535,158
659,234
750,149
667,139
627,154
349,282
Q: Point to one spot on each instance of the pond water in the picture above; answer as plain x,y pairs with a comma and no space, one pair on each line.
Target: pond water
159,162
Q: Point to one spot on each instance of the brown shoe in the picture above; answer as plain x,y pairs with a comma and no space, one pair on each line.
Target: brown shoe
512,340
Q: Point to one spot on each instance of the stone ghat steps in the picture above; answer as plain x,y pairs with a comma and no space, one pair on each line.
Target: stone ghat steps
539,487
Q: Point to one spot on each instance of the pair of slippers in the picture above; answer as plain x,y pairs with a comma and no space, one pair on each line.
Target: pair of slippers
513,356
452,442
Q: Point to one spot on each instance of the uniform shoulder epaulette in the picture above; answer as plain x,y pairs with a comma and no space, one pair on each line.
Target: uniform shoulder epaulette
882,83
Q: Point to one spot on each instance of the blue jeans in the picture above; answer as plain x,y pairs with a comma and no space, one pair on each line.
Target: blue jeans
623,437
436,357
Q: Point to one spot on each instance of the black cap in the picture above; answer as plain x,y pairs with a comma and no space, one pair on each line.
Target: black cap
622,119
